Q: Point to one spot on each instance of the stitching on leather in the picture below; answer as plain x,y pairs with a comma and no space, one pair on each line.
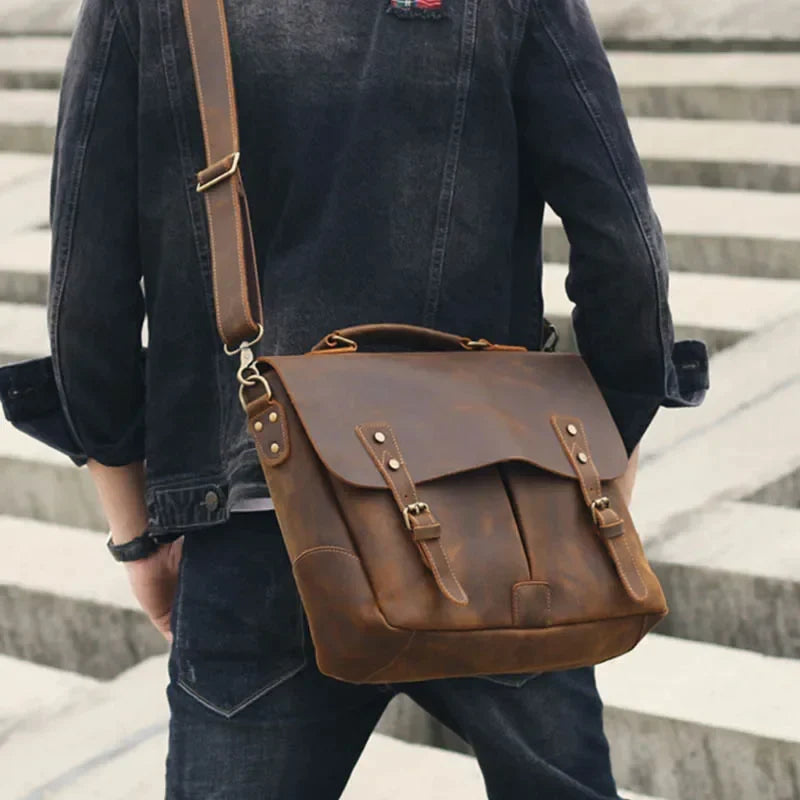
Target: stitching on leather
378,459
361,430
327,549
403,465
207,146
237,218
449,569
555,422
390,663
515,598
223,24
277,461
595,474
637,595
190,31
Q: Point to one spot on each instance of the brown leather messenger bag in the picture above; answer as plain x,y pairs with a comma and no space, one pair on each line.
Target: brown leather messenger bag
450,507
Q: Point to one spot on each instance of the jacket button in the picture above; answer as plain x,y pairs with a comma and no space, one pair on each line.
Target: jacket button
212,501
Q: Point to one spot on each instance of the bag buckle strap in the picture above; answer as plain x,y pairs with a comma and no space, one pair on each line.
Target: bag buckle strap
218,172
611,525
414,509
381,444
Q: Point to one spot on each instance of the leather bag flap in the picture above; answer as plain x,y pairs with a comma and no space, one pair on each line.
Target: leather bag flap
450,411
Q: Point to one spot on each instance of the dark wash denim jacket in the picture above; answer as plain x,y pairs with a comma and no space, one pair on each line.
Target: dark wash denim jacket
397,165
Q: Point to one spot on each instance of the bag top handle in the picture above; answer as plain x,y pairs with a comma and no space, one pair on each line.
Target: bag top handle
237,296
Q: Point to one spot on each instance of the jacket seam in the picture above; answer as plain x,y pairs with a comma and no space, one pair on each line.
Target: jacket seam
450,170
182,137
580,87
126,35
67,227
523,18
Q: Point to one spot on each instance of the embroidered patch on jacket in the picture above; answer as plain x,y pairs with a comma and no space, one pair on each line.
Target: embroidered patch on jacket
430,9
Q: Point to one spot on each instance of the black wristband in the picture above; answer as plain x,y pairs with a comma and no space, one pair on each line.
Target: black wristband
140,547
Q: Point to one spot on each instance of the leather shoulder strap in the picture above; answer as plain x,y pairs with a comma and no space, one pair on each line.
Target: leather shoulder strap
237,297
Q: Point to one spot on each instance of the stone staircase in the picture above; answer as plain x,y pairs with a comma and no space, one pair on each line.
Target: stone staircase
706,709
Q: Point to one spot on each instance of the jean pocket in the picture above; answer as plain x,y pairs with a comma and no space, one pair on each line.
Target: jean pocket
510,679
239,623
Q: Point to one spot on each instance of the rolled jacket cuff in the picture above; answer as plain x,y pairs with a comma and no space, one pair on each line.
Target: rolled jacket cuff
686,384
31,403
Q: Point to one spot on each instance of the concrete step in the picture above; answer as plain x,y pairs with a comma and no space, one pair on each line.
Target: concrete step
724,231
33,17
74,609
16,167
751,447
23,332
33,692
729,154
38,482
27,120
743,86
24,205
686,720
732,577
743,375
32,62
24,267
750,304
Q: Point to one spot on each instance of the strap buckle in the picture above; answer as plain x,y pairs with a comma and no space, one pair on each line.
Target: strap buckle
216,176
477,344
599,504
413,510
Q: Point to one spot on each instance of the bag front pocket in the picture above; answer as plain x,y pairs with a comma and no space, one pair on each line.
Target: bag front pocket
239,621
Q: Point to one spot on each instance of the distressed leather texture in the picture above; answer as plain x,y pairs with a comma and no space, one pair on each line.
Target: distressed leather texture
519,575
450,507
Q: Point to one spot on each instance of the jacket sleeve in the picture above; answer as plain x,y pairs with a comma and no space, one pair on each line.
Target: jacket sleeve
576,148
95,304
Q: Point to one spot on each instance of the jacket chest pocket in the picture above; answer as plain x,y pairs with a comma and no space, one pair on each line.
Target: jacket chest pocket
430,41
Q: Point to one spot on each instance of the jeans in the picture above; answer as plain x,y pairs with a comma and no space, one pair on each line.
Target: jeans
252,718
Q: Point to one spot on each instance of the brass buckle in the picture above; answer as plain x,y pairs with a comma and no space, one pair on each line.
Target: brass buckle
204,187
244,345
477,344
413,510
336,339
251,380
599,504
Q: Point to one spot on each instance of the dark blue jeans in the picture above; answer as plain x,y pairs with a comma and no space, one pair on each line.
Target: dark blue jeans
252,718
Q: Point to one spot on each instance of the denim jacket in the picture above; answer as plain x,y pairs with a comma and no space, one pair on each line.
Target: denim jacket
397,157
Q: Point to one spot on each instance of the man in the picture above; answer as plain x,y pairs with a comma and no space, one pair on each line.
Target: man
397,157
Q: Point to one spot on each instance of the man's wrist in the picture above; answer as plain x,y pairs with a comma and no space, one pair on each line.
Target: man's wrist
135,549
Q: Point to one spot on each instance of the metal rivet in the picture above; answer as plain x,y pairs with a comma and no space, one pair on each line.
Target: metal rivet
583,458
380,437
274,447
273,417
572,430
211,501
394,463
259,425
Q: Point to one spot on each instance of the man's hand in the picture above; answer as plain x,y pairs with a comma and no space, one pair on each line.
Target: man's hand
154,580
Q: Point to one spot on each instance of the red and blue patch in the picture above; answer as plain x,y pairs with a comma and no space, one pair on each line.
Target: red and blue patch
416,8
